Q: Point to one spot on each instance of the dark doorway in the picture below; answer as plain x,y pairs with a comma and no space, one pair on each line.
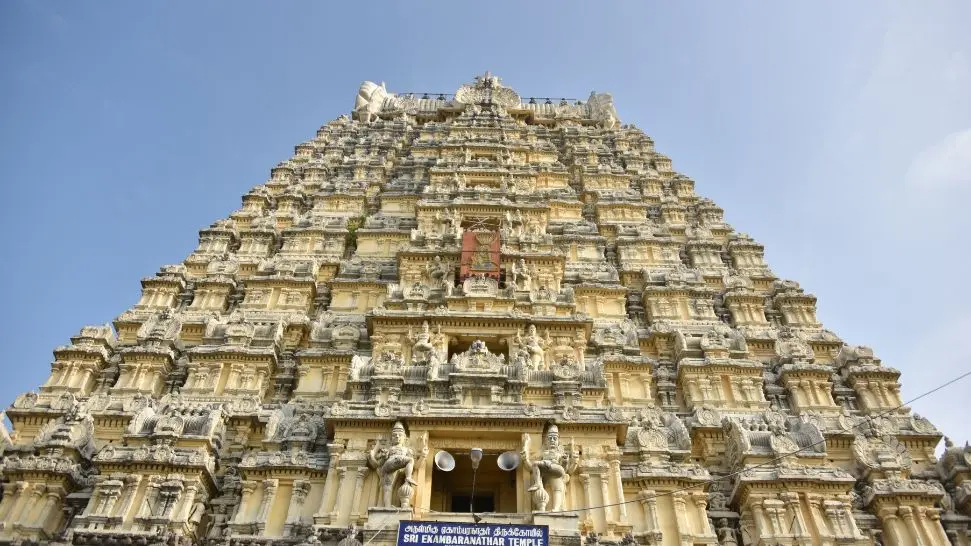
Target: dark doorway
484,502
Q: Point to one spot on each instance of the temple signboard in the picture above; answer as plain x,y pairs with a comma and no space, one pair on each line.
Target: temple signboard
418,533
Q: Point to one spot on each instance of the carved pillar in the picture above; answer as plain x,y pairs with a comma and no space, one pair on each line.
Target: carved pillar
648,499
28,501
269,492
343,476
151,492
128,494
188,499
247,488
328,497
619,489
792,505
51,499
934,528
609,511
834,516
891,525
701,505
32,496
680,513
171,495
826,397
819,518
910,522
11,496
301,488
763,525
359,474
587,493
625,386
846,511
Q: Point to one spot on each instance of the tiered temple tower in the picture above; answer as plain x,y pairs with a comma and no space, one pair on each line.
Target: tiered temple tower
437,273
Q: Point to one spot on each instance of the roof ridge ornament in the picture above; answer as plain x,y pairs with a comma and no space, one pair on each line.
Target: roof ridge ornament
487,89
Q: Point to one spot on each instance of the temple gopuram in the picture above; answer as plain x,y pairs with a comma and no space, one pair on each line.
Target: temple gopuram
474,311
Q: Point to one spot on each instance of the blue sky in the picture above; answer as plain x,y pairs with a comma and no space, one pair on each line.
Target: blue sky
836,133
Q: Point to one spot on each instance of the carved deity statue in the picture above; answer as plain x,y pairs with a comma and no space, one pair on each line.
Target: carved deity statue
555,465
448,222
439,343
439,273
534,345
399,456
422,349
370,99
521,275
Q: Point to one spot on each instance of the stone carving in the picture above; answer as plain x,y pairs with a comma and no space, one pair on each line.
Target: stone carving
441,275
477,359
553,468
398,456
480,286
334,302
522,275
487,89
602,109
534,346
656,431
421,351
370,100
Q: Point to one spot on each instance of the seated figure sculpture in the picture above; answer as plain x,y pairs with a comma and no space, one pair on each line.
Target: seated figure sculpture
422,350
388,461
555,466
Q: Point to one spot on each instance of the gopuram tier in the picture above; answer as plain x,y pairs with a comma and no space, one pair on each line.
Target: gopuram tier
437,273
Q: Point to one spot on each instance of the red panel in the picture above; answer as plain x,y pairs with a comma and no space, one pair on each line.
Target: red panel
480,254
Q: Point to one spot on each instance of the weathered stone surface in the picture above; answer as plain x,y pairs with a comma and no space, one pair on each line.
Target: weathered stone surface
479,269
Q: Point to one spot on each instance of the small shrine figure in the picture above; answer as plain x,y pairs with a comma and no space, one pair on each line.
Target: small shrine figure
388,461
438,271
521,275
555,465
534,346
422,350
439,342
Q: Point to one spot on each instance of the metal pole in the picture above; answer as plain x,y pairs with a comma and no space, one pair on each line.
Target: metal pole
472,498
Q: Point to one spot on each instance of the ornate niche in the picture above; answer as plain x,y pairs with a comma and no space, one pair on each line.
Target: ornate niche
478,377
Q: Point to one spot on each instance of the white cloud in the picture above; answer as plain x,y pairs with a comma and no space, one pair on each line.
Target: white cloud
944,164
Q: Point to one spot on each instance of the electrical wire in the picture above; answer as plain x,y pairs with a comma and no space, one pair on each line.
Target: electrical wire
743,470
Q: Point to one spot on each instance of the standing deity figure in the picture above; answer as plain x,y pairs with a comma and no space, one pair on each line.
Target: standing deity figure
388,461
534,346
422,349
555,465
521,275
439,342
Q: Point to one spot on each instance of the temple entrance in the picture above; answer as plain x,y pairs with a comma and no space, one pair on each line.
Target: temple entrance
495,489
